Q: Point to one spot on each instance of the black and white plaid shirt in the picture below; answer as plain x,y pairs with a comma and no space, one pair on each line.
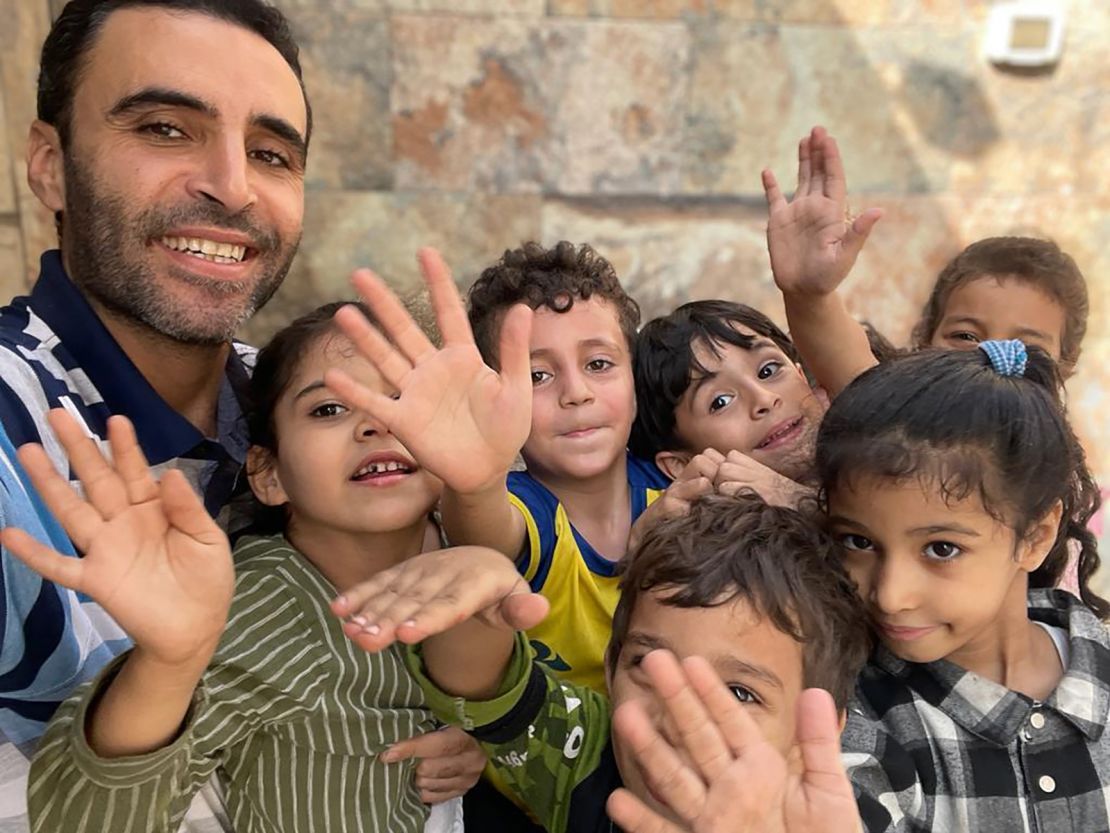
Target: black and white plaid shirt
934,747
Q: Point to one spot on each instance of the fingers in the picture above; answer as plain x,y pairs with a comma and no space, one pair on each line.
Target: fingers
835,184
358,395
373,346
669,777
513,354
46,561
77,517
771,190
805,167
186,513
818,730
858,232
449,309
103,487
736,726
817,173
130,462
392,316
437,790
523,611
633,816
702,465
701,739
437,750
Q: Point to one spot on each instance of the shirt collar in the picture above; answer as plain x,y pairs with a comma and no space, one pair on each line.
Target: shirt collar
163,433
996,713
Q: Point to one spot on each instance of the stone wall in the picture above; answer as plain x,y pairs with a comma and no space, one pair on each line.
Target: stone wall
642,125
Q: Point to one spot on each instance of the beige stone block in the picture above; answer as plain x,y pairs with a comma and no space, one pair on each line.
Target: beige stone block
824,12
12,264
345,58
381,230
512,105
491,7
8,201
652,9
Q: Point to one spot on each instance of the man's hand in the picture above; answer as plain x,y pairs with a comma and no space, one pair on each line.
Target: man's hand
695,479
812,240
726,777
435,591
739,472
451,762
152,556
462,420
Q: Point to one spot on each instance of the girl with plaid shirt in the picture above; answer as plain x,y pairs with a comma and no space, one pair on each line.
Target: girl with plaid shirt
955,485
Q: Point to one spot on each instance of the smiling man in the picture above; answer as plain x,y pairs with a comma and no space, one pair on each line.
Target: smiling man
170,144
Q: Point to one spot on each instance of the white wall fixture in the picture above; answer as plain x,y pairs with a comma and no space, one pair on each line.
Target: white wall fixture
1025,33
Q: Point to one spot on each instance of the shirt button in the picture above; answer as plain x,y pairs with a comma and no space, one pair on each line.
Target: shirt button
1037,720
1047,783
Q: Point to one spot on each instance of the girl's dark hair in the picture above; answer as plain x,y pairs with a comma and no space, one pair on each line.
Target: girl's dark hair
274,369
664,364
1040,263
946,416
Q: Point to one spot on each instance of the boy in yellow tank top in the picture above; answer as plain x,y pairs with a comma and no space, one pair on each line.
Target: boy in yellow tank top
542,367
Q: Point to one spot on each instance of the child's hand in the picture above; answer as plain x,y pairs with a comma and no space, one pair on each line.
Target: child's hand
727,777
451,762
460,419
434,592
739,472
695,480
152,556
812,240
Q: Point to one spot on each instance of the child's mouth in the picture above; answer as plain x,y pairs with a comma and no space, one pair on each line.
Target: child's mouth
382,472
781,434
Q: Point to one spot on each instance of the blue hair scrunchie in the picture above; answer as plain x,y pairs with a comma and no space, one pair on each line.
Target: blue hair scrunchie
1008,358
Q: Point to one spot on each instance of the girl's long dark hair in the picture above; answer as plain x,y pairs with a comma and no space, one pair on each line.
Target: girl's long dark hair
949,418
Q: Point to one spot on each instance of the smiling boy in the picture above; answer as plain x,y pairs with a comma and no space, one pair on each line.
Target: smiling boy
757,590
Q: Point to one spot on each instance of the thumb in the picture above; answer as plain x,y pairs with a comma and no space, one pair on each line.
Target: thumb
522,611
46,561
819,739
186,513
859,231
514,358
403,750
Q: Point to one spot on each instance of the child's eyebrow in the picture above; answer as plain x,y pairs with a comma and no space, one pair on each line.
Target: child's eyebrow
729,664
588,343
309,388
935,529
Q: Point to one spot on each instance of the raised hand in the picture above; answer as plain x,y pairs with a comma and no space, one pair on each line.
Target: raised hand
695,480
152,556
738,472
726,777
435,591
812,241
462,420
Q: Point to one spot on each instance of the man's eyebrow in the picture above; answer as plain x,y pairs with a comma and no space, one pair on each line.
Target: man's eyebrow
164,97
161,97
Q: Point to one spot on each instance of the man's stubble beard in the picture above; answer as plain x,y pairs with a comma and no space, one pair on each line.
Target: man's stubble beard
106,254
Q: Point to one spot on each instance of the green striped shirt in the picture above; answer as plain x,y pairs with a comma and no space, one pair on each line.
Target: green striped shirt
290,715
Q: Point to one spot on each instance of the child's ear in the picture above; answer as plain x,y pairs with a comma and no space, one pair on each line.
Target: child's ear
1038,541
671,463
263,476
45,165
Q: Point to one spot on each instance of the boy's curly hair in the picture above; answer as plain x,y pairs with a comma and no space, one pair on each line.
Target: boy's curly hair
540,277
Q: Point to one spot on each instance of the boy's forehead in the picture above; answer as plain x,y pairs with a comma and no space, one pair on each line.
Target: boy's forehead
592,319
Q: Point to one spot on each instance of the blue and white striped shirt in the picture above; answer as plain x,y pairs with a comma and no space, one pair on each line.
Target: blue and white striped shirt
55,352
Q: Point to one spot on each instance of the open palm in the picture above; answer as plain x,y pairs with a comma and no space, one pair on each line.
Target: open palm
462,420
151,555
812,243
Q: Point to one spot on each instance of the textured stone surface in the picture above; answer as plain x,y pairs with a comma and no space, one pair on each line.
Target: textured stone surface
8,165
345,57
383,230
11,259
826,12
511,105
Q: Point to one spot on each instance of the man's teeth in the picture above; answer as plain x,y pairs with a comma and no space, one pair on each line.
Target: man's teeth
382,468
208,250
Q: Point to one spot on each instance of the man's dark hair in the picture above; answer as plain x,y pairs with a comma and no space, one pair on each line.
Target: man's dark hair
75,29
778,561
664,365
542,277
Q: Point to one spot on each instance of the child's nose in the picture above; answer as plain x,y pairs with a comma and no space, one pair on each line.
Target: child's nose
763,400
895,585
575,389
368,426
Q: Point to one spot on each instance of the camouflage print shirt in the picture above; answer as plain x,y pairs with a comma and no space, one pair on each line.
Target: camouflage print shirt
549,740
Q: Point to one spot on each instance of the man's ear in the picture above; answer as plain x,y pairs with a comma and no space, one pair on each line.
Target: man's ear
1037,543
671,463
263,476
45,165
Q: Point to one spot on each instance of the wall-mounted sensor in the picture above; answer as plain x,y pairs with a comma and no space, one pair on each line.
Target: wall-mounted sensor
1025,33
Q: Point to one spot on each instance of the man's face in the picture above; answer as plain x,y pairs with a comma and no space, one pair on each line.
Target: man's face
758,662
752,400
183,174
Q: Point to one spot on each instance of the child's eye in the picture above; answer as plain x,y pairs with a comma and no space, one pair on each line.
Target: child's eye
852,541
769,369
963,335
744,695
539,377
598,365
719,401
942,550
328,409
163,130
